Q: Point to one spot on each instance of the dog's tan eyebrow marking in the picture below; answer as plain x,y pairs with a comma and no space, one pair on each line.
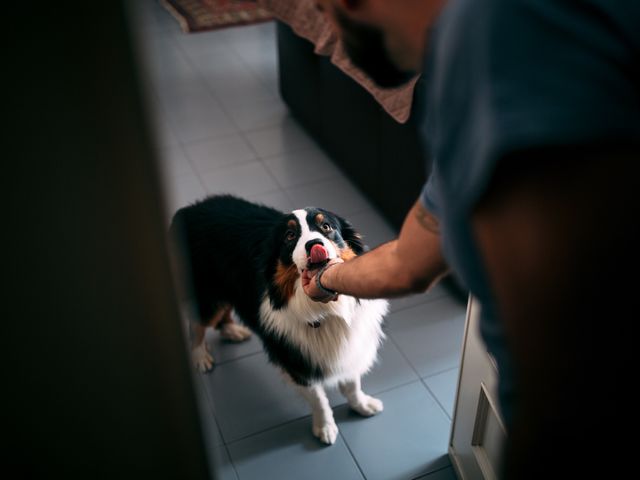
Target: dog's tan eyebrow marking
292,223
319,218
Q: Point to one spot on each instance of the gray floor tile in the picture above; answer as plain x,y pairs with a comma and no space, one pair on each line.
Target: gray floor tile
443,386
258,54
200,124
301,167
287,137
430,335
224,351
256,115
277,199
163,132
208,422
337,195
437,291
206,155
444,474
222,70
373,227
183,191
193,114
202,44
243,93
257,33
391,370
173,77
249,396
224,467
407,439
243,180
292,452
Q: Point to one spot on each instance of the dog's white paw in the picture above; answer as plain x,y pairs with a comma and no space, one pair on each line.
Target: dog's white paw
202,359
234,332
368,406
327,432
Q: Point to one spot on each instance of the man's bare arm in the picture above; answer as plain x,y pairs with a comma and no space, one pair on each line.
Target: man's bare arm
409,264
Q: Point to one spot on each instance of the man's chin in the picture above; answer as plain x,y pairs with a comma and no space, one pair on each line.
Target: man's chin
380,70
386,80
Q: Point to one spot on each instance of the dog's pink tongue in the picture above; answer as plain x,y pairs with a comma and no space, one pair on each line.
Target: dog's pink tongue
318,254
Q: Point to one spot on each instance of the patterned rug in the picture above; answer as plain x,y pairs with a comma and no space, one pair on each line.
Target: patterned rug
203,15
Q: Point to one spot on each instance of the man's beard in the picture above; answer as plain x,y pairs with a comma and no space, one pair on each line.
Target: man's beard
365,46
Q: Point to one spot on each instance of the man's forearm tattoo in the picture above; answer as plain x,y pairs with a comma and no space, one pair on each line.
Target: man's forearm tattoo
427,220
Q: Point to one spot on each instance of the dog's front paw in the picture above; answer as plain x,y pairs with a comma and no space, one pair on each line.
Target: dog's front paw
368,406
202,359
327,432
234,332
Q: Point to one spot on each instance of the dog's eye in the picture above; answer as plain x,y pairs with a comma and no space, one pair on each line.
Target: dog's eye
326,227
290,235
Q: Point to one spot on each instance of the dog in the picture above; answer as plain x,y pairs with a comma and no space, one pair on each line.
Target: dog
250,257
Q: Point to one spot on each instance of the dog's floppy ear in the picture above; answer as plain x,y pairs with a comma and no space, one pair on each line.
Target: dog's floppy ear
351,237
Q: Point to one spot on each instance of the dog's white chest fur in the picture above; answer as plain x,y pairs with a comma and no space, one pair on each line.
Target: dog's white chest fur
346,343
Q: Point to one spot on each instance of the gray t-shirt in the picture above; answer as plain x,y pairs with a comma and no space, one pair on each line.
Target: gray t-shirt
509,75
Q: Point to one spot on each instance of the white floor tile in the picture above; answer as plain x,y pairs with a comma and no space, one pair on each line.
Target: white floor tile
301,167
174,163
201,44
243,180
337,195
182,191
278,200
287,137
207,155
258,114
200,121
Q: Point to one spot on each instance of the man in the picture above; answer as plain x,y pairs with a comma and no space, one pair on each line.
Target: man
533,124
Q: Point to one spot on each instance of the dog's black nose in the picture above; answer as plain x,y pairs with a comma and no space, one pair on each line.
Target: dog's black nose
311,243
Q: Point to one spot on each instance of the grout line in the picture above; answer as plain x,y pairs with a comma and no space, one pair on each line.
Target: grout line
439,372
435,397
389,389
424,382
353,457
231,360
233,465
265,430
390,336
425,475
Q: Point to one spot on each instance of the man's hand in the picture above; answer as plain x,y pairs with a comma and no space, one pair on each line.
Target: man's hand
409,264
309,283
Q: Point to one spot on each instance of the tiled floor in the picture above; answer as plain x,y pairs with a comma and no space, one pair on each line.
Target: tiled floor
221,127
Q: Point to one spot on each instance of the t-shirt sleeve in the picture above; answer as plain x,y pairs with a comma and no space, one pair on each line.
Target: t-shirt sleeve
429,195
511,75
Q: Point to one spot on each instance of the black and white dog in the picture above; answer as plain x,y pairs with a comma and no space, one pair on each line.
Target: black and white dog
250,258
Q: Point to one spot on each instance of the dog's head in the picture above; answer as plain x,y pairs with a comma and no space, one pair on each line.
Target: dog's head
309,238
